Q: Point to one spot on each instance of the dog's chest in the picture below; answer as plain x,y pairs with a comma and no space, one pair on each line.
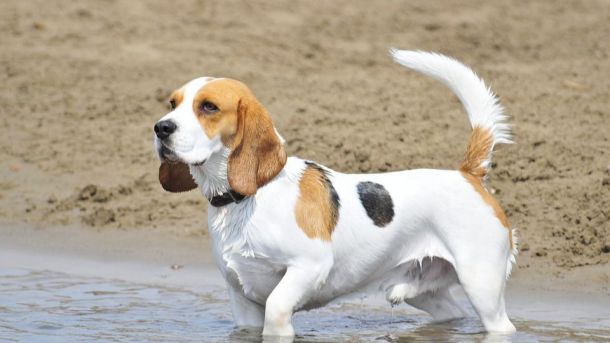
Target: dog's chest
243,264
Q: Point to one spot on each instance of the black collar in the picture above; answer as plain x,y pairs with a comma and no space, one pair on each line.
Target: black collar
226,198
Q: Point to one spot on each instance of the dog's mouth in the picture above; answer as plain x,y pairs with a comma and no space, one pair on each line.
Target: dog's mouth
168,155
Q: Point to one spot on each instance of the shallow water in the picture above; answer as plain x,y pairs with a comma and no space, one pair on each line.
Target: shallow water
45,306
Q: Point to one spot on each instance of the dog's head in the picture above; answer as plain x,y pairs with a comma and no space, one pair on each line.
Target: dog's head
207,116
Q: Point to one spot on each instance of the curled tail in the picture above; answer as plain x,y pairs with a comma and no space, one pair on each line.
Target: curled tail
486,117
485,113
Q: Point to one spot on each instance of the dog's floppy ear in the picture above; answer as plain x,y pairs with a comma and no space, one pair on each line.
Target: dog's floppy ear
257,153
175,177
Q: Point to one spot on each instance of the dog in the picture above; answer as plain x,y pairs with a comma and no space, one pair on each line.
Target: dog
289,234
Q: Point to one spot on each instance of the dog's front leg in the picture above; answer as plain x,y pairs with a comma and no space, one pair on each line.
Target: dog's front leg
246,313
294,288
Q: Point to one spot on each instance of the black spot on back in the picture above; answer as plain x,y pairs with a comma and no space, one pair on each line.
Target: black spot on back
377,202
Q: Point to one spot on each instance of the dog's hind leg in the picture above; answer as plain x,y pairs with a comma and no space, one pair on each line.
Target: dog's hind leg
440,304
483,278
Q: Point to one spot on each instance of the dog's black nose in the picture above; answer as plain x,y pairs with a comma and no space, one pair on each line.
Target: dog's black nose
164,128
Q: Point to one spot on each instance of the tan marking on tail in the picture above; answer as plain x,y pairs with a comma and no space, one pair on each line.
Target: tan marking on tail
316,212
477,152
474,170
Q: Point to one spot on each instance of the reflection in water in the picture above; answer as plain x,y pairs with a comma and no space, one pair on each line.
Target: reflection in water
54,307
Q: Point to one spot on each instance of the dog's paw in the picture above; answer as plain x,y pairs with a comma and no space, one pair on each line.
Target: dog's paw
398,293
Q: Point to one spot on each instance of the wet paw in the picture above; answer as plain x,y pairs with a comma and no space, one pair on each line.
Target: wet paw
398,293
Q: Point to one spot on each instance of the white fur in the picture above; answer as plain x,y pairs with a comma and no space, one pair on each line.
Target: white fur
442,233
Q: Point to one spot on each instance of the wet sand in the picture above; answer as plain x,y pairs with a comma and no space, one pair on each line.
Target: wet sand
124,285
32,245
132,255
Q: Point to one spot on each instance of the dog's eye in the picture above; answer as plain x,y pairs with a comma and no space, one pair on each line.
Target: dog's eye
208,107
172,104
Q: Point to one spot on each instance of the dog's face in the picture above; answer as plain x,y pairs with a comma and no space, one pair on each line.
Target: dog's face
208,115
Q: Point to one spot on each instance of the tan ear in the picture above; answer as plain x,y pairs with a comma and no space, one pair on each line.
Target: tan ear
175,177
257,155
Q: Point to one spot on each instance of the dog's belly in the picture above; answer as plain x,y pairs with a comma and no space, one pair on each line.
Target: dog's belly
409,271
257,278
406,280
360,264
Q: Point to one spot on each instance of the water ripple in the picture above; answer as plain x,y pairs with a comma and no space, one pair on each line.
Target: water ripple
54,307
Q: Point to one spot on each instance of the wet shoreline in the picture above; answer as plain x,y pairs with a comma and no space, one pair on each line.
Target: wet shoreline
52,306
121,286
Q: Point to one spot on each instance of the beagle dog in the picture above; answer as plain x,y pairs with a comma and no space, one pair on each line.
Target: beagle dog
289,234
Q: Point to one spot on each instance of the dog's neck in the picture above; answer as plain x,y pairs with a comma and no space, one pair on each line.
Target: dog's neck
225,223
211,177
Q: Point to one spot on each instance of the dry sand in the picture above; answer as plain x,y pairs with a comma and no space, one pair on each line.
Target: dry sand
83,83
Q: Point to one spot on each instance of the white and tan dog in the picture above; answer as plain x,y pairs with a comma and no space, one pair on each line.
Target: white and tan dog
289,234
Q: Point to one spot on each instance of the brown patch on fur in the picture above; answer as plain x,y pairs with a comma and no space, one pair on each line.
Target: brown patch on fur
479,147
477,183
225,94
176,177
177,96
257,154
317,209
